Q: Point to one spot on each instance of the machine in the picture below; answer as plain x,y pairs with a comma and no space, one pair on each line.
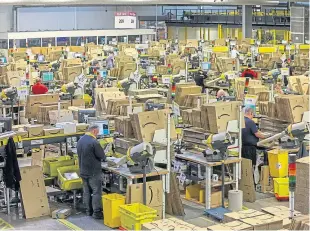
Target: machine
217,146
141,158
296,134
152,106
9,96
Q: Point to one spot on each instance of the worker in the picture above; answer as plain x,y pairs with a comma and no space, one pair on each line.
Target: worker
249,72
250,136
234,53
110,60
90,155
39,88
96,83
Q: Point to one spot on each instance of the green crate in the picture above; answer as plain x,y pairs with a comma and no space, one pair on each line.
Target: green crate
51,164
68,185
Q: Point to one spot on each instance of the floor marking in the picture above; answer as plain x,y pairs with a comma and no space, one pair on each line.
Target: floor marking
69,225
207,219
5,225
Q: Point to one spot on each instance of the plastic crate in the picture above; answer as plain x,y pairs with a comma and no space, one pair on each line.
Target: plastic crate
281,187
111,203
51,164
66,184
278,163
134,215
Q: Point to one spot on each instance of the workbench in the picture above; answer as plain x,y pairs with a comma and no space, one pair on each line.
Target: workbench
198,158
131,178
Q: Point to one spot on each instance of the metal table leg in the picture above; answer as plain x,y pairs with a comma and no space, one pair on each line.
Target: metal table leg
208,187
74,199
8,200
163,178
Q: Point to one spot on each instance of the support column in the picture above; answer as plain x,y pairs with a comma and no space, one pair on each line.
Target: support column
246,21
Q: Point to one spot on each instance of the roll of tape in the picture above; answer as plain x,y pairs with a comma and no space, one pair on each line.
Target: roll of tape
235,198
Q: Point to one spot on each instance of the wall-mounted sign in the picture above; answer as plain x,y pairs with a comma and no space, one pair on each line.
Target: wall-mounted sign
125,20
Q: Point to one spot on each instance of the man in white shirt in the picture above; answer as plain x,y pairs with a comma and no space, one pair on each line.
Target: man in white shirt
234,53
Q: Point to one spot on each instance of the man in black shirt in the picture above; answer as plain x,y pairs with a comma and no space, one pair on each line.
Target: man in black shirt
250,136
90,154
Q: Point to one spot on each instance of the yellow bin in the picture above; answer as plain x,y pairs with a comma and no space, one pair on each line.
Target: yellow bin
111,203
281,186
134,215
278,162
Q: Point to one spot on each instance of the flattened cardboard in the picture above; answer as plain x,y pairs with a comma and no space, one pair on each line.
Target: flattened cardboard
33,192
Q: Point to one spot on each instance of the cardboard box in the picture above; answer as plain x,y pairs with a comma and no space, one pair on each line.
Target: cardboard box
14,78
265,222
265,180
81,127
22,134
78,103
37,156
35,130
68,127
234,225
61,213
147,123
70,73
154,193
63,115
53,131
196,117
219,114
291,107
169,224
35,101
33,192
182,91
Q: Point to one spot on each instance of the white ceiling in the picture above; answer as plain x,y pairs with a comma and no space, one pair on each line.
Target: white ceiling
138,2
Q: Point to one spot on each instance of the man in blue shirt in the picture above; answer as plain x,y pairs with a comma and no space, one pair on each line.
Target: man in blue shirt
250,136
90,154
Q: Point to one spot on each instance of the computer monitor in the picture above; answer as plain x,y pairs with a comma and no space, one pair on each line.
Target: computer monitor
84,114
103,73
47,76
205,66
41,58
7,124
103,127
3,60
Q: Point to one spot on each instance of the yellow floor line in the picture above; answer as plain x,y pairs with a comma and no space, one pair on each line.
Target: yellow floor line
69,225
4,225
206,219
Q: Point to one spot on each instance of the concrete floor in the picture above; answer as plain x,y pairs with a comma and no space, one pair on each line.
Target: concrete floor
79,221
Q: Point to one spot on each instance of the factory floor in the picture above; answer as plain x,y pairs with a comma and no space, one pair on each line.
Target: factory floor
79,221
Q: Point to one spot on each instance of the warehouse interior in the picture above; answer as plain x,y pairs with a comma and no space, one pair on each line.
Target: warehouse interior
154,115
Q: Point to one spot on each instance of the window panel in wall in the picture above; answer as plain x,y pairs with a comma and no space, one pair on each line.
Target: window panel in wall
134,38
111,39
3,43
20,43
91,39
34,42
46,41
122,39
63,41
101,40
76,41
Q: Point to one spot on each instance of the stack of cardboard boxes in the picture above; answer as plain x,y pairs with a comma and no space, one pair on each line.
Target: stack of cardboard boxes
35,101
71,68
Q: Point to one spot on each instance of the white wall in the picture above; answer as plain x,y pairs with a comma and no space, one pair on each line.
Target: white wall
6,17
80,18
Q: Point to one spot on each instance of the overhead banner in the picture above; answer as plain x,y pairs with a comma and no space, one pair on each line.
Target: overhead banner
125,20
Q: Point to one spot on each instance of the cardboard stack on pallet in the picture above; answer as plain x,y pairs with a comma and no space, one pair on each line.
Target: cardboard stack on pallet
71,68
302,185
